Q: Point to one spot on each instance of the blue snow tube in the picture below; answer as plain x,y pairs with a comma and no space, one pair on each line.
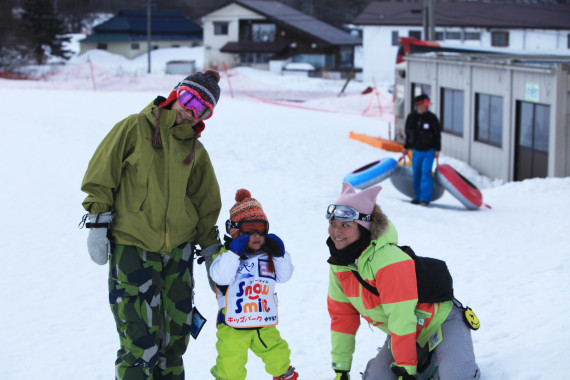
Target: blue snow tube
371,173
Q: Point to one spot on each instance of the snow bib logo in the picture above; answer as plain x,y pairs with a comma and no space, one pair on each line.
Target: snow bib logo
253,293
250,300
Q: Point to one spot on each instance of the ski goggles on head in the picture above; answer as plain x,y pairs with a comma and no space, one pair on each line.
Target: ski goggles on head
346,214
190,99
249,226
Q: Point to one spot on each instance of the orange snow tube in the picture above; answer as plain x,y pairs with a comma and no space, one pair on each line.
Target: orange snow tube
378,142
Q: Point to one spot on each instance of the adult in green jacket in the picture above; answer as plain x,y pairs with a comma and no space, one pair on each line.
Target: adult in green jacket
363,240
152,196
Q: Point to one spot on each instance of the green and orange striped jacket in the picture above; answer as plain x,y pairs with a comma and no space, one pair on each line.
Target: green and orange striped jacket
395,311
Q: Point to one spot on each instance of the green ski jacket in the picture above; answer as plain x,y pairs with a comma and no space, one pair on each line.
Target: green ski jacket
159,202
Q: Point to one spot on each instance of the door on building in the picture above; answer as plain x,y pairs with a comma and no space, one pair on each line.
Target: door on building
532,132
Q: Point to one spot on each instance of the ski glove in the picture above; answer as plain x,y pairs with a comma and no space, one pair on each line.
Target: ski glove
98,243
341,375
239,244
274,245
401,372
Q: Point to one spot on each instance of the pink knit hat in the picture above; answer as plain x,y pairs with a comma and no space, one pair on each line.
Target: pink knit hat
363,201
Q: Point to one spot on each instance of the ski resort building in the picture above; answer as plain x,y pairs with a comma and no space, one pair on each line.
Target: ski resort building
507,116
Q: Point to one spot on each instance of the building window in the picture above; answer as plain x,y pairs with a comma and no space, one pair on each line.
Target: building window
415,33
263,32
395,36
489,119
317,60
475,36
500,39
220,28
101,46
135,46
254,57
421,88
345,56
534,126
452,35
452,111
418,89
532,135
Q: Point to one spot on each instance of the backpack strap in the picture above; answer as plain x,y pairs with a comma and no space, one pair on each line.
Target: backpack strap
368,287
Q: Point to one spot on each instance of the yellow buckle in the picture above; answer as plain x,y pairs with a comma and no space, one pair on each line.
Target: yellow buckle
471,319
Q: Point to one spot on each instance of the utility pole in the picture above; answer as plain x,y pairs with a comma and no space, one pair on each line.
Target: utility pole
428,21
148,18
148,4
431,21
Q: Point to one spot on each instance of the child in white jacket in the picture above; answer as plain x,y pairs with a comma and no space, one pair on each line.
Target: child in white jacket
245,276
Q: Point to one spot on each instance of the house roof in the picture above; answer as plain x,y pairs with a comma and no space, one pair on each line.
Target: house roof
131,25
293,19
468,14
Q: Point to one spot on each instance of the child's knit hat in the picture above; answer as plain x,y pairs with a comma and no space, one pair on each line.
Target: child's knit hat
363,201
246,208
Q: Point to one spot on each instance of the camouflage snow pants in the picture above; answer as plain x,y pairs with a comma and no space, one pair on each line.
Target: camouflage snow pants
151,299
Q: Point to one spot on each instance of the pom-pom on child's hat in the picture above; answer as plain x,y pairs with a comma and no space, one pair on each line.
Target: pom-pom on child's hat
362,201
246,208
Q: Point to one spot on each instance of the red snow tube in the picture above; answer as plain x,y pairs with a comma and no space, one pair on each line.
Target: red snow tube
460,187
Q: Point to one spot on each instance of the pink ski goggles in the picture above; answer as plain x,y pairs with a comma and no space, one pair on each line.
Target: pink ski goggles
190,99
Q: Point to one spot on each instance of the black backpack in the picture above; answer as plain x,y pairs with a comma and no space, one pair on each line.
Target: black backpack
433,278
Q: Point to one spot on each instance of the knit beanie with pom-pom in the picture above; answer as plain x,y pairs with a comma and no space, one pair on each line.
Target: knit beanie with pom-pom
206,84
246,208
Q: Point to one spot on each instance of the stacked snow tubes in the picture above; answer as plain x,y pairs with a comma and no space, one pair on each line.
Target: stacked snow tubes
403,180
372,173
402,177
460,187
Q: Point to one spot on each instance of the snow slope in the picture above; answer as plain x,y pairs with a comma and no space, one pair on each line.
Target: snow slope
509,263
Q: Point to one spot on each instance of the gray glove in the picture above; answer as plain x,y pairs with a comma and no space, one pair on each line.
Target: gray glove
98,243
207,255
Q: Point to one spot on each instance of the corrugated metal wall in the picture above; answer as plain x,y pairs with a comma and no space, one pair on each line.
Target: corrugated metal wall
512,83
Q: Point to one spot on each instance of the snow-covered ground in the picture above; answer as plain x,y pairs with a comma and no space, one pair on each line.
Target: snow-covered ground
509,263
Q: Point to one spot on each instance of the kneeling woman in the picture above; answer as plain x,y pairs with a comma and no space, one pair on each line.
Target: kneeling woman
362,239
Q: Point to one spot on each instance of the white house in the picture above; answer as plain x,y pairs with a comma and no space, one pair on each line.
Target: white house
266,33
510,27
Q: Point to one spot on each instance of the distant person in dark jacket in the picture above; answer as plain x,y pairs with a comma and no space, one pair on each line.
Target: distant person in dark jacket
423,136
